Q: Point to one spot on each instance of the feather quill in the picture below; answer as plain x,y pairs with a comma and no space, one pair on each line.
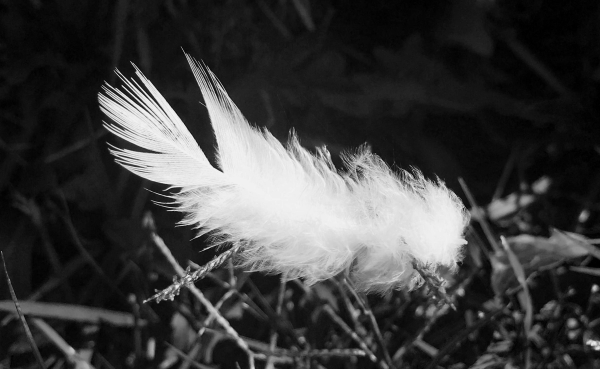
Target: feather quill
293,211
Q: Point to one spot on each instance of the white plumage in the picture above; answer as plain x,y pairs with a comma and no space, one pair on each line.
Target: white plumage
295,213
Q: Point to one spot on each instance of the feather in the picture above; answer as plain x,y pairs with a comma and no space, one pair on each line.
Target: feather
293,211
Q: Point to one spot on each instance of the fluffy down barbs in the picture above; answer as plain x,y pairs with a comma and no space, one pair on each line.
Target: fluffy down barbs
293,211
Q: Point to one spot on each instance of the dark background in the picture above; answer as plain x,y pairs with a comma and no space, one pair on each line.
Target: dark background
457,89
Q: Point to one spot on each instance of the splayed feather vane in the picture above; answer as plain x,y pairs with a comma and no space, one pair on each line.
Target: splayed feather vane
293,211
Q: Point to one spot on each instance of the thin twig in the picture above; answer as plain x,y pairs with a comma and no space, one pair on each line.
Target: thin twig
209,319
463,335
278,24
435,284
188,358
369,313
302,8
31,209
187,277
281,325
251,305
535,64
203,300
13,295
508,167
326,353
286,356
522,279
353,312
278,310
70,353
487,230
353,335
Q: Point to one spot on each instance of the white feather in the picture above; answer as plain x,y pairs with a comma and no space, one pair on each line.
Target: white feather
296,213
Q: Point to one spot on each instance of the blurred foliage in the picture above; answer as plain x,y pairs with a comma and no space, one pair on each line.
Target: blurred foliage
503,93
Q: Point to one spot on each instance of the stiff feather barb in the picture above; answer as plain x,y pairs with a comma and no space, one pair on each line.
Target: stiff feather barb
293,211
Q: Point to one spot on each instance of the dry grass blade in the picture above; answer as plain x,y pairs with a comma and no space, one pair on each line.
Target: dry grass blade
586,270
56,280
436,286
352,334
30,208
480,217
463,335
302,8
574,239
70,353
508,167
187,358
34,347
74,234
536,65
74,313
278,309
277,23
189,277
522,278
369,313
203,300
74,147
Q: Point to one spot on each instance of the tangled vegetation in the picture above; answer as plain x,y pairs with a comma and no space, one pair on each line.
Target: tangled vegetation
498,98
